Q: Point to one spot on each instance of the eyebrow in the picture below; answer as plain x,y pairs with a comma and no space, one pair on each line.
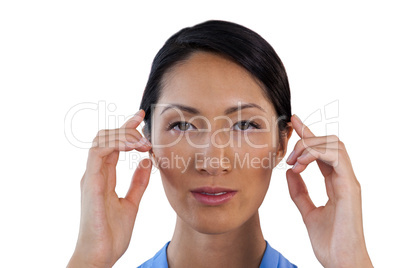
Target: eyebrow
229,110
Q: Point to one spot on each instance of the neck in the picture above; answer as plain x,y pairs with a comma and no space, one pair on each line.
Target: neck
242,247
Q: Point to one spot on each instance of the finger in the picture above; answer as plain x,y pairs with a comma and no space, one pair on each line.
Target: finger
330,156
328,182
128,130
333,163
97,153
302,144
299,194
135,121
139,182
130,136
127,133
123,145
302,130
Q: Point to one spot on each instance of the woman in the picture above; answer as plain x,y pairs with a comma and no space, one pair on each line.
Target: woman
217,121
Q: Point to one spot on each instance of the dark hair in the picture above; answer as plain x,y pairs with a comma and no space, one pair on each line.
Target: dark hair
240,44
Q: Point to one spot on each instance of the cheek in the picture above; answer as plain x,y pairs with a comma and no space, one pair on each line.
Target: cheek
257,151
174,164
173,160
176,174
255,168
261,138
172,153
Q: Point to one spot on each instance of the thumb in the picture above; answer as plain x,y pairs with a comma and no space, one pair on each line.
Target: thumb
299,194
139,182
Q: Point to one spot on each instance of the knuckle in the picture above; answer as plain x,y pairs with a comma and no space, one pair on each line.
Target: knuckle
82,182
95,141
101,132
358,187
333,137
341,145
300,145
93,151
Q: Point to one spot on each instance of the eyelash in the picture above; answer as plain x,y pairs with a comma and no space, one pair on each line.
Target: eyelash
250,123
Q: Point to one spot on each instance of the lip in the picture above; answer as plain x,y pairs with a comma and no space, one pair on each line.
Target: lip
205,195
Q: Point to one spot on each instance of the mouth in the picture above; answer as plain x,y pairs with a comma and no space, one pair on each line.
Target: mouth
221,193
213,196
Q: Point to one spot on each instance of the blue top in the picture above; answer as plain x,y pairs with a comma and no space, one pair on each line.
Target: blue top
271,259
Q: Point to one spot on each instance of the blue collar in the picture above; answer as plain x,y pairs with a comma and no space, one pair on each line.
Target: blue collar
271,259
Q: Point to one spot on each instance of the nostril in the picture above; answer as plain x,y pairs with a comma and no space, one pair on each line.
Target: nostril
212,165
215,169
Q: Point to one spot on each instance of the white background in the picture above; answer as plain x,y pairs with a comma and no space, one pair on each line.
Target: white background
58,54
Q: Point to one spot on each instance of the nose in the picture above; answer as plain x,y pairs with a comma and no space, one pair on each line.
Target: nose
214,159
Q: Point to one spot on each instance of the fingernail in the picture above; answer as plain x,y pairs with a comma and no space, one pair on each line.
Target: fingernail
298,118
290,156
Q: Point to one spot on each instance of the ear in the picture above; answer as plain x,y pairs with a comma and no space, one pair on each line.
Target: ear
286,136
151,153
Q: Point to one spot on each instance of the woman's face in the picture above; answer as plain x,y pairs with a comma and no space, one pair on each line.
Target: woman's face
215,142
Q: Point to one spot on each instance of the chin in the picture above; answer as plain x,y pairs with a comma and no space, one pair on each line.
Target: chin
213,223
212,228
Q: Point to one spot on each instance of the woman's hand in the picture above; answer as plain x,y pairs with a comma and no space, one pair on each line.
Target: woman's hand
336,229
107,221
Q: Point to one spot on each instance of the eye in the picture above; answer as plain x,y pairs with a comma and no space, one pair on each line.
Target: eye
181,126
245,125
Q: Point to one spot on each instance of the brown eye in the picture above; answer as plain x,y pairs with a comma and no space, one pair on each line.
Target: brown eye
245,125
181,126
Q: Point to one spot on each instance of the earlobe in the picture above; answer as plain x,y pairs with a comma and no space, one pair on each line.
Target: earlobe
289,130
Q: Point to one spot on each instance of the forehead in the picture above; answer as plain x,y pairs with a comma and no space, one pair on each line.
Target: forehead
206,80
